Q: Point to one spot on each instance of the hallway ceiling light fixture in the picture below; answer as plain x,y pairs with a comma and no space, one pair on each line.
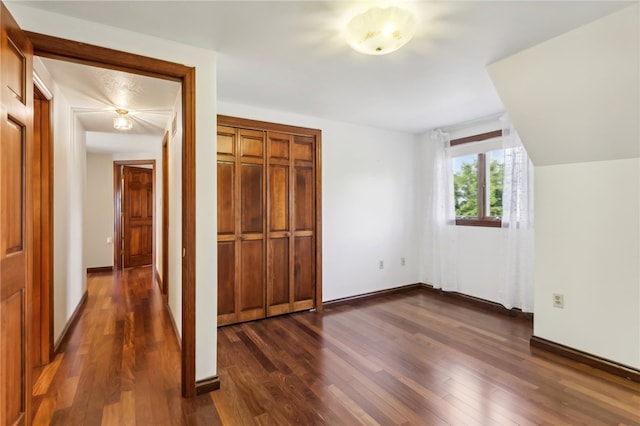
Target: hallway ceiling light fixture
122,121
379,31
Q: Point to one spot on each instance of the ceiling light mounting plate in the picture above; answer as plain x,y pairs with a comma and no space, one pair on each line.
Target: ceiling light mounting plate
123,121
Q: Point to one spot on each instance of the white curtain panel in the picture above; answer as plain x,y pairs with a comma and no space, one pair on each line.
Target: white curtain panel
517,223
444,243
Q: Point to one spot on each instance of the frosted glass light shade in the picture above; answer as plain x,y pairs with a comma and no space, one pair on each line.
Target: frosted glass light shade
122,121
379,31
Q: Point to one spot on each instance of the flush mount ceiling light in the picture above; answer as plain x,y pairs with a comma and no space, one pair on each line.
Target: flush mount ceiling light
379,31
122,121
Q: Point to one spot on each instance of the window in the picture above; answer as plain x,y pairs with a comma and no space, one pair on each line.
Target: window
478,170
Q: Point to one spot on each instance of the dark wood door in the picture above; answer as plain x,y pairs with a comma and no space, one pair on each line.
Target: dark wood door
279,221
137,215
251,227
16,139
268,219
304,218
227,236
241,225
291,256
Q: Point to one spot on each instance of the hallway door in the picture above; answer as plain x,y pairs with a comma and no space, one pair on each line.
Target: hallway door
137,216
16,146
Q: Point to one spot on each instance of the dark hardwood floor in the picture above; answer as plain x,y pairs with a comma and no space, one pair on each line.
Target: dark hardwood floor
410,358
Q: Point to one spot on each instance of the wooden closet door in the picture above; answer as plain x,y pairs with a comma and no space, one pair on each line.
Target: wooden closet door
268,220
304,220
227,235
291,257
279,258
252,225
241,225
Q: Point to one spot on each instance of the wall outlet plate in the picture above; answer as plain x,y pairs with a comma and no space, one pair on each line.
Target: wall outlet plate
558,300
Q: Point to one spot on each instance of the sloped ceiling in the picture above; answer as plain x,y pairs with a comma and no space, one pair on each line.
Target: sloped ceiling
290,55
576,98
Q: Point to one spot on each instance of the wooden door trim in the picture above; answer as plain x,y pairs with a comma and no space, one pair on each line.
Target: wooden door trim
43,225
102,57
73,51
117,208
165,215
245,123
318,212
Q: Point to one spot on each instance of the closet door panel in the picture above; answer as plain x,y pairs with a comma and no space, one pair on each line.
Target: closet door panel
251,144
251,207
304,283
304,273
278,198
279,145
226,282
303,199
303,148
278,277
226,140
252,296
226,205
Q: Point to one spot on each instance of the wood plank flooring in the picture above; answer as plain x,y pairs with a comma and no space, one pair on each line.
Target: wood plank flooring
410,358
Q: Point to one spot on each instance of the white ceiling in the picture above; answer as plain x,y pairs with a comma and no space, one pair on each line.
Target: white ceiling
290,56
95,93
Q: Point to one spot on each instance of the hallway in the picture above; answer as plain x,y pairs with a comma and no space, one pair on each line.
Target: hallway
121,363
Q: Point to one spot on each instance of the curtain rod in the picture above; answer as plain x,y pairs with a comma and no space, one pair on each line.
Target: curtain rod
474,122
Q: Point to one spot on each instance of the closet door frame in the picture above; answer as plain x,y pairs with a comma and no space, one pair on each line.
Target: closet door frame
223,120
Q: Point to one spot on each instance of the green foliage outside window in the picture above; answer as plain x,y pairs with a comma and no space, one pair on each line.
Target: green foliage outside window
496,173
465,183
465,189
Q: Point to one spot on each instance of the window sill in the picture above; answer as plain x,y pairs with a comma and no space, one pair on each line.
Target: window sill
489,223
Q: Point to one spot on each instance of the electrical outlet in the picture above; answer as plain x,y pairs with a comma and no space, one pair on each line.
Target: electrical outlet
403,261
558,300
380,264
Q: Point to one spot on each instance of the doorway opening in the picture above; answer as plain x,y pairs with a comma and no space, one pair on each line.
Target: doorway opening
82,53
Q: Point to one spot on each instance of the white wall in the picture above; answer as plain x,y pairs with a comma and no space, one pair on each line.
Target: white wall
101,179
174,295
480,266
69,278
98,211
76,175
369,204
575,101
588,248
204,61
